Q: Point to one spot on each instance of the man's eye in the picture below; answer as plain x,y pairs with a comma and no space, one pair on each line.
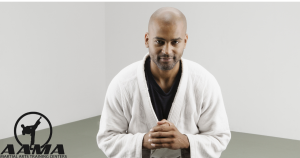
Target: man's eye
159,42
176,41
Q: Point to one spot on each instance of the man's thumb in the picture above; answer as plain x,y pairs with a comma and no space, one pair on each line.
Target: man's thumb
162,121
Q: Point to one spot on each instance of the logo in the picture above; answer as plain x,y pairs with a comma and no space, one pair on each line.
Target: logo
27,124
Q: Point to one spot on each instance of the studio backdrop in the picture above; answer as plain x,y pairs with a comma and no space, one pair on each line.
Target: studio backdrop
58,58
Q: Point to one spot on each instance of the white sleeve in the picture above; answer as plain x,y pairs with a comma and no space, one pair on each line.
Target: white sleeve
112,138
214,133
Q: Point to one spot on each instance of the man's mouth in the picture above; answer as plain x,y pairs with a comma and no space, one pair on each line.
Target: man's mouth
166,59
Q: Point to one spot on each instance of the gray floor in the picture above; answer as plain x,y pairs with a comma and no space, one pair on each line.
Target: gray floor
79,141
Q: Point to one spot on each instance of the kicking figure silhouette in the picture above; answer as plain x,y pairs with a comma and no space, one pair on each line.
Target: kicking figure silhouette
31,130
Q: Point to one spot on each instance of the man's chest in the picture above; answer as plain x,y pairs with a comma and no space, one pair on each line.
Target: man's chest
139,112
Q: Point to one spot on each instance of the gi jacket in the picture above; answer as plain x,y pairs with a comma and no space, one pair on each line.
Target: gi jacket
197,111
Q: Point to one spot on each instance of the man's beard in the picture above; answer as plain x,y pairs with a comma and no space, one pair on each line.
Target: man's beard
164,66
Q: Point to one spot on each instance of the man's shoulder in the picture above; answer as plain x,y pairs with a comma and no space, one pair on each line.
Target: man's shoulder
199,75
196,69
128,73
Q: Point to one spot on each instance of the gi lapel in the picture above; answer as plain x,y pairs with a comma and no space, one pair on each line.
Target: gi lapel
178,100
150,114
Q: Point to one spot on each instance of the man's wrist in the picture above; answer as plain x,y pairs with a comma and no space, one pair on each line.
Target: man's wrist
187,143
144,142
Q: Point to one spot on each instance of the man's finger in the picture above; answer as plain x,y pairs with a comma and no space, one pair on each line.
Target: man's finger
162,135
161,140
163,122
165,145
161,129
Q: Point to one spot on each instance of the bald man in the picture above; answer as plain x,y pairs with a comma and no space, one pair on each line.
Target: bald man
164,105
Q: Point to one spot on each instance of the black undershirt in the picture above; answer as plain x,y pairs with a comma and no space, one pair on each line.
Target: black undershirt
161,101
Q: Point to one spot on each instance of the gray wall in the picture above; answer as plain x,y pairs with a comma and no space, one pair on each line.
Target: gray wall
55,58
52,61
251,48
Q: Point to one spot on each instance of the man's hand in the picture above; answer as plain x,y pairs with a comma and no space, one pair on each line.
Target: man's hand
146,142
166,135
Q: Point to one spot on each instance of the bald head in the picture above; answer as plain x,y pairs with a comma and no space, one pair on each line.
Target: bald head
166,38
167,16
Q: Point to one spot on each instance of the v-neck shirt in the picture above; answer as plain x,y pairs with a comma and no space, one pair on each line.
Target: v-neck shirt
161,101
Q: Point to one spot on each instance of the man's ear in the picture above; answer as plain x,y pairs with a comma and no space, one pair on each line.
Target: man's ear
146,40
186,39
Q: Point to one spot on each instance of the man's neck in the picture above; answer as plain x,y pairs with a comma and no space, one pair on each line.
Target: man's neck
164,77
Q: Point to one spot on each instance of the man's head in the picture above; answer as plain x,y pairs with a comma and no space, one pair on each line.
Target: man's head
166,37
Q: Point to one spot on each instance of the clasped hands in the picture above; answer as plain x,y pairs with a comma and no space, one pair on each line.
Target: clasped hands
165,135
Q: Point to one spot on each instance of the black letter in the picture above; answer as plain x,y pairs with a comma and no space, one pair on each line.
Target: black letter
60,149
10,148
45,150
26,149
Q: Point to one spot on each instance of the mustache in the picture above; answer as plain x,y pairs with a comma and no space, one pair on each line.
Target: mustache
166,56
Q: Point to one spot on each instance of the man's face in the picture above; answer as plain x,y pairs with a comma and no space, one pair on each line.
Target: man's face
166,43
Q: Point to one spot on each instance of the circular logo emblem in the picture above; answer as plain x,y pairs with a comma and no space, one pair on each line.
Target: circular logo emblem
31,129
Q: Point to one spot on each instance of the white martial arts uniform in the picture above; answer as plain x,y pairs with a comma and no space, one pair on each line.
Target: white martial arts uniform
197,111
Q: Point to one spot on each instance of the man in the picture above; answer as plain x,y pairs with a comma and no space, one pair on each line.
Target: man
31,130
164,105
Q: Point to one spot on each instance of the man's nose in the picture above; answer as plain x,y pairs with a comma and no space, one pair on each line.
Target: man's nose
167,49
